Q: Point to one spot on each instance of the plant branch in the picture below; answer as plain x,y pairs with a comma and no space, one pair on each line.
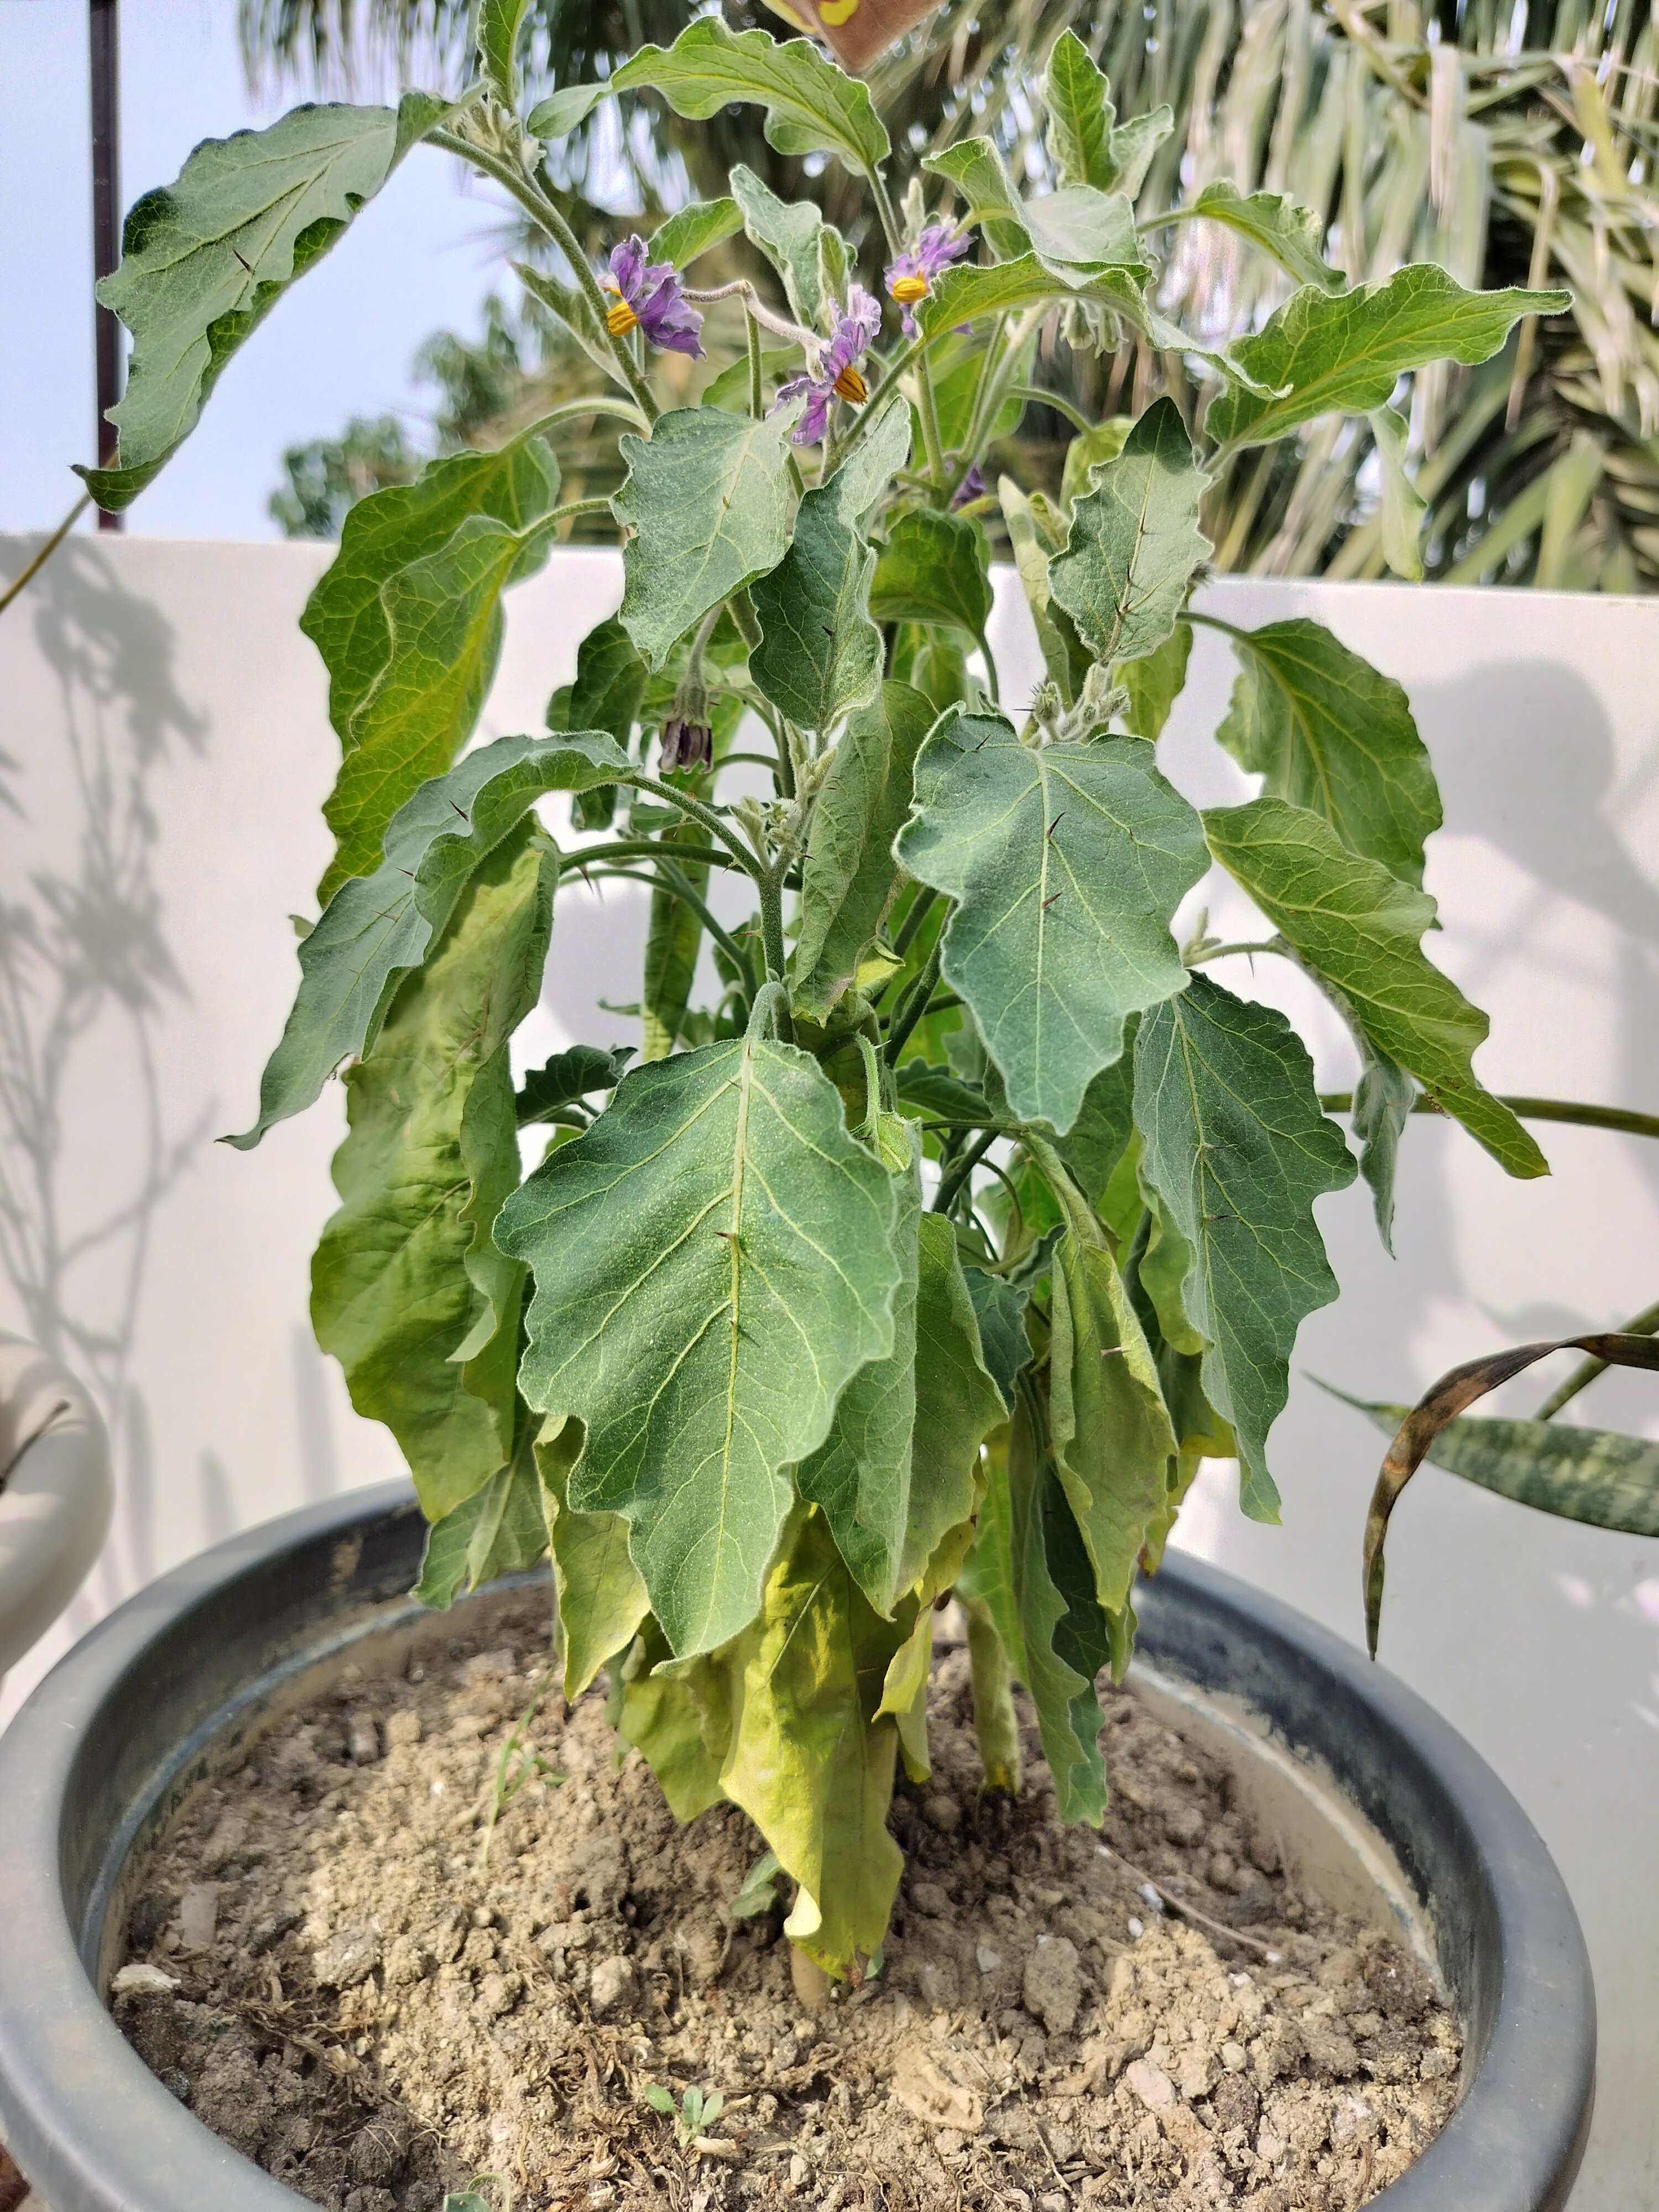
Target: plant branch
924,899
26,575
951,1183
1057,400
595,403
911,1007
676,881
695,811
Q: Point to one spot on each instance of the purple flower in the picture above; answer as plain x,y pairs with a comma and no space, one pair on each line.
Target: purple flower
836,376
972,487
648,292
687,744
911,277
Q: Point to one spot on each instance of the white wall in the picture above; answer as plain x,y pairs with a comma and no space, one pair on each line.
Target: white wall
165,752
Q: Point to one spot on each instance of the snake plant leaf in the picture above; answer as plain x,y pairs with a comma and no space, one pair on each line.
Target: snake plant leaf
820,654
1135,544
1324,351
1291,233
714,1263
1112,1438
933,569
500,1530
1351,921
693,230
790,233
812,106
602,1602
1154,681
393,1297
1238,1150
999,1310
498,24
1067,862
576,1072
1404,510
849,876
564,110
1328,731
706,501
1078,116
204,260
375,928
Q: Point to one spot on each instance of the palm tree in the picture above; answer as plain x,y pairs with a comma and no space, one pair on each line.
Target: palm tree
1515,141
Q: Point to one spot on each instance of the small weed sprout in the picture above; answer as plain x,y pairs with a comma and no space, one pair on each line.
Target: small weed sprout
696,2113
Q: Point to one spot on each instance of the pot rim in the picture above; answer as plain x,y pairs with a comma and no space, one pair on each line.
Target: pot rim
97,2132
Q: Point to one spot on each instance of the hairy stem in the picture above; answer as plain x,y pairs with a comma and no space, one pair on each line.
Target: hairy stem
912,1006
952,1180
33,568
695,809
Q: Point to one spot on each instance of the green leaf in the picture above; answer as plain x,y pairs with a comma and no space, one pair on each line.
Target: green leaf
1323,351
694,230
965,292
1031,560
430,1109
609,683
500,1530
499,22
812,106
864,476
850,877
1329,732
933,569
1078,116
707,499
1290,233
1134,143
376,928
658,2099
975,168
1155,682
1067,862
564,110
602,1602
1112,1438
1405,510
575,310
729,389
204,260
1357,925
1135,544
1077,233
820,654
996,1722
790,233
1593,1475
703,1333
1000,1309
1382,1102
1094,1144
1104,442
759,1891
937,1092
1238,1150
576,1072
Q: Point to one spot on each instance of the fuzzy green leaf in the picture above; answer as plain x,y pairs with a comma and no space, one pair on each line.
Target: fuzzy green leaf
693,230
430,1108
500,1530
204,260
376,928
1361,927
714,1262
499,22
1405,510
1135,544
999,1310
1078,116
609,684
1077,233
576,1072
707,499
1329,732
864,476
1067,862
1323,351
602,1602
820,654
1133,145
965,292
790,233
1093,1147
933,569
850,877
975,168
1031,561
1154,681
1290,233
812,106
564,110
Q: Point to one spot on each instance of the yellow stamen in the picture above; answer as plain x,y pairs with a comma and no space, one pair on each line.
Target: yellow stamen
849,385
621,319
907,290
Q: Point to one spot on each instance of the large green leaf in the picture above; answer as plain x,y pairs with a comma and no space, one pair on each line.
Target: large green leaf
933,569
1077,116
431,1119
375,928
849,876
664,1714
609,684
812,106
1328,731
820,654
977,170
1323,351
707,502
576,1072
796,241
499,22
1290,233
1135,544
714,1262
500,1530
204,260
1404,510
1238,1150
999,1310
1354,923
1077,232
1112,1438
601,1600
1066,862
966,292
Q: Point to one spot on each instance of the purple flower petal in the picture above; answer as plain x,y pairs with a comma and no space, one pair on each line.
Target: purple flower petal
668,320
627,268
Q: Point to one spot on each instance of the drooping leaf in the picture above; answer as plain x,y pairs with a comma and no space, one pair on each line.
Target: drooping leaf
204,260
1031,561
602,1602
576,1072
1093,1147
1354,922
1382,1101
1328,731
933,569
812,106
1112,1438
1238,1150
376,928
1323,351
1066,862
1155,682
999,1310
664,1714
849,876
1291,233
700,1330
790,233
499,22
1103,442
1135,544
694,230
995,1723
392,1297
959,1401
609,684
706,499
1166,1261
820,654
1405,510
500,1530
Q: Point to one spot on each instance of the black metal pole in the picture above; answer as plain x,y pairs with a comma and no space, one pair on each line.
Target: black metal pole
106,219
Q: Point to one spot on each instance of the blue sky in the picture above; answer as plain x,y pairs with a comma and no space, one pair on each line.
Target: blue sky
419,258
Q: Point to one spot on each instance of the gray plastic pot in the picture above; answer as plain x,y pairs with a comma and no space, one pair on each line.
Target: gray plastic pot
161,1693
